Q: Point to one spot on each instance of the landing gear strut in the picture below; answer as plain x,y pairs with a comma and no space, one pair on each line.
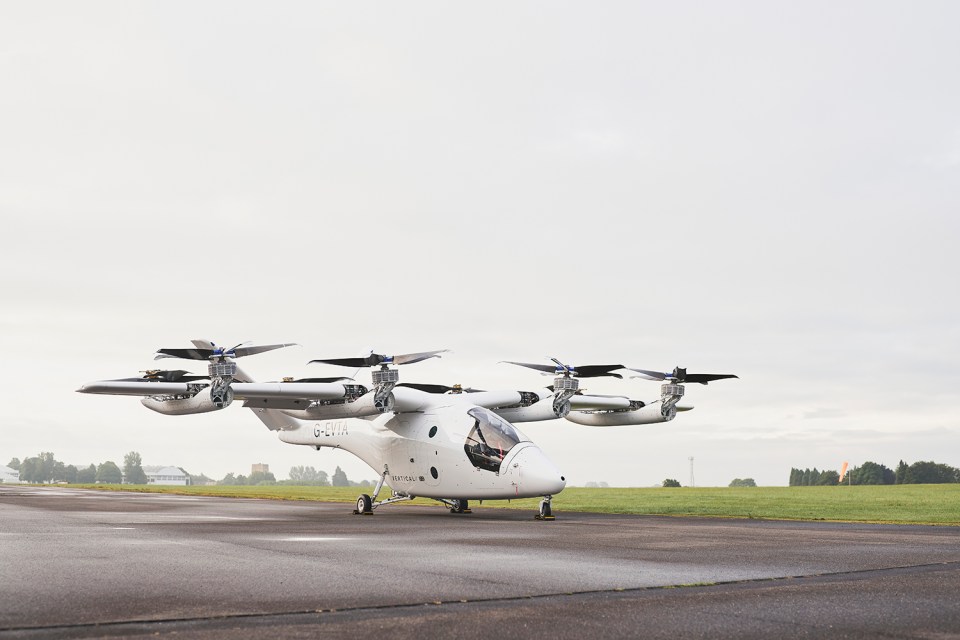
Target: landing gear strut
366,504
545,512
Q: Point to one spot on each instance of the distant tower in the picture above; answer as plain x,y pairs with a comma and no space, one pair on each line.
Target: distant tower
261,467
691,472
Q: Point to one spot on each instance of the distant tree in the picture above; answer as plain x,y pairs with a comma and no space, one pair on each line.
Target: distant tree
872,473
603,485
87,476
261,477
231,479
109,473
670,482
70,474
931,473
59,472
828,478
795,476
591,485
30,470
14,464
133,469
340,478
200,480
302,475
48,463
38,469
745,482
901,473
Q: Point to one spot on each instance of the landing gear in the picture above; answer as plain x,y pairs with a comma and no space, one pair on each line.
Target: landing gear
459,506
364,505
545,512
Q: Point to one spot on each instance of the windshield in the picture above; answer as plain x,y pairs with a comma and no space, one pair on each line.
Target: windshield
490,439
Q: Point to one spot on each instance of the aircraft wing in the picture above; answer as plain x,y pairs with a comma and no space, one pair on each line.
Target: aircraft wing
140,388
241,390
288,390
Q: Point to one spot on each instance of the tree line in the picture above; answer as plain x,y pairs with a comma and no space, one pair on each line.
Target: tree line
925,472
299,476
45,468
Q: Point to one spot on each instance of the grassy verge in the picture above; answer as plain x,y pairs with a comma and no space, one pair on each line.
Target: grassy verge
899,504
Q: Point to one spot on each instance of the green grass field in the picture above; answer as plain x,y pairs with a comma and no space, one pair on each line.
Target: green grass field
898,504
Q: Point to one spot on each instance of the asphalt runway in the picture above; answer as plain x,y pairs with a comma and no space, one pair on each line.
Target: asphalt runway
79,564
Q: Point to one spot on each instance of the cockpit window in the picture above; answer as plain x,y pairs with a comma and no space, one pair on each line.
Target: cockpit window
490,439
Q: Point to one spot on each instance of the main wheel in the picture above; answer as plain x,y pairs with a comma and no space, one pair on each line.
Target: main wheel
364,504
459,506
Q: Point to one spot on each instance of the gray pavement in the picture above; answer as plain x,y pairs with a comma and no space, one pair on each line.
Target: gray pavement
79,563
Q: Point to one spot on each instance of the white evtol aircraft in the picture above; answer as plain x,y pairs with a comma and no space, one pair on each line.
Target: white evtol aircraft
446,443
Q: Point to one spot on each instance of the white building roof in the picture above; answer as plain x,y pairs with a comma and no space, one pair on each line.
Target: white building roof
160,470
9,475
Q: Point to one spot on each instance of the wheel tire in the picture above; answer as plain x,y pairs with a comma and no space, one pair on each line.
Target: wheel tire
364,504
459,506
545,509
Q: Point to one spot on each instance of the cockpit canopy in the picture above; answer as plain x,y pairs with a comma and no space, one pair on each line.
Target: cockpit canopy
490,439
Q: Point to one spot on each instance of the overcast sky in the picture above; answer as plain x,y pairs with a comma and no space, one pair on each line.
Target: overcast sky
762,188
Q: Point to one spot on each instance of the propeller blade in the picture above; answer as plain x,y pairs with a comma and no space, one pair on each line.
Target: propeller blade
410,358
587,371
681,376
200,353
438,388
240,352
653,375
425,387
704,378
369,361
185,354
598,370
375,359
156,375
546,368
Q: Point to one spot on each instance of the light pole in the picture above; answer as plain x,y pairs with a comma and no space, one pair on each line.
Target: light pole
691,471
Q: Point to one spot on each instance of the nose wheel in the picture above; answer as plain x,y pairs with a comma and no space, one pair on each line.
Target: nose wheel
460,506
545,512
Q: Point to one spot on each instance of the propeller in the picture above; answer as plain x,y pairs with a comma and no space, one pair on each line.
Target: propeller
375,359
681,376
438,388
586,371
159,375
200,353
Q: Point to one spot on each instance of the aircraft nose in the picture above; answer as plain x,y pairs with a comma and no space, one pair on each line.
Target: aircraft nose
538,476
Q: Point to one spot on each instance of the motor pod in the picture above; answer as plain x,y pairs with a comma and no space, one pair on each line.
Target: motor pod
200,403
649,414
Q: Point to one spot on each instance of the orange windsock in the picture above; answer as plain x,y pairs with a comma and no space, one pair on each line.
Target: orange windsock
843,471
